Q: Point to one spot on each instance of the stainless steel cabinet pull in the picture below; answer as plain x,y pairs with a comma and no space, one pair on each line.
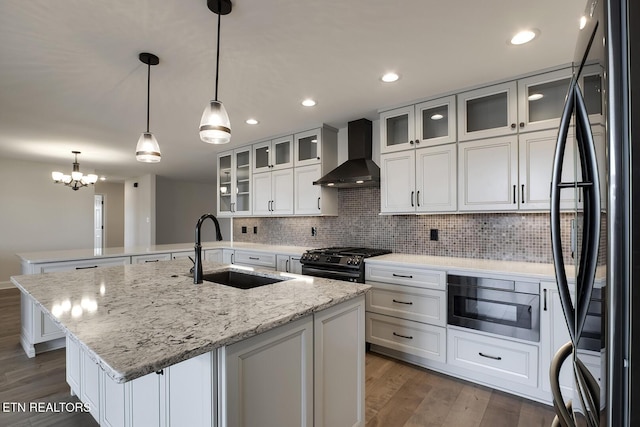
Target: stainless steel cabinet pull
402,275
514,194
544,292
403,302
403,336
84,268
151,260
522,194
489,356
412,198
418,198
254,258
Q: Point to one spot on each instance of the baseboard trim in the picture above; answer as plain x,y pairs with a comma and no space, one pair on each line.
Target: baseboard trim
7,285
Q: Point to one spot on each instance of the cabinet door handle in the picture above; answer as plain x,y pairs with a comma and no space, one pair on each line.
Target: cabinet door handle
403,336
286,265
232,258
544,299
411,141
85,268
402,302
318,203
522,194
513,125
151,260
254,258
160,372
521,124
402,275
515,200
418,198
489,356
412,205
417,141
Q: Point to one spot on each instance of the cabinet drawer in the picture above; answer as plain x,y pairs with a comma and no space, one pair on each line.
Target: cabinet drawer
502,359
415,338
145,259
406,276
420,305
257,259
81,264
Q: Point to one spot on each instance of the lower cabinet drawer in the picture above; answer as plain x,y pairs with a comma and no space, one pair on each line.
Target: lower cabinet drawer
504,359
257,259
406,302
410,337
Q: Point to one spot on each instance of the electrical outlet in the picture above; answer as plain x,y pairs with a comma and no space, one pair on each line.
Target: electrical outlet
244,229
255,229
314,231
433,235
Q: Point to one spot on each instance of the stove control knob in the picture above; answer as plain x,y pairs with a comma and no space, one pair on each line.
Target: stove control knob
316,257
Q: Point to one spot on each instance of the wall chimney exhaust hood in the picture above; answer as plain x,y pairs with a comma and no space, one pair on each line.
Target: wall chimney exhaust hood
359,170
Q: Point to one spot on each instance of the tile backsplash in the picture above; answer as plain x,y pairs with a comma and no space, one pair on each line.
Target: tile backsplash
501,236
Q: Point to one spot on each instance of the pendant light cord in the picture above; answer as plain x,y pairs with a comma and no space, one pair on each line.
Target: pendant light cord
218,47
148,91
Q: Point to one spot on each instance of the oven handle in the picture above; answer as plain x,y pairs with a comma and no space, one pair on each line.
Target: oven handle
319,272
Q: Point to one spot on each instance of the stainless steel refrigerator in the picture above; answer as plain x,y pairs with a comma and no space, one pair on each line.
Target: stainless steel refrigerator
602,235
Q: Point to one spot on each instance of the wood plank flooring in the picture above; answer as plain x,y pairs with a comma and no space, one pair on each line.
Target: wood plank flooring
397,394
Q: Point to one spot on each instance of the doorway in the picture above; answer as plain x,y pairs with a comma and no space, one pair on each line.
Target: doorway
98,223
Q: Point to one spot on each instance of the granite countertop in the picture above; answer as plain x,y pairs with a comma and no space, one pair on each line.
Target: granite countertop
78,254
137,319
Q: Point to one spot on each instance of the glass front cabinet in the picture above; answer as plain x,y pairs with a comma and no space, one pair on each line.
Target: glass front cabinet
541,99
421,125
273,155
488,112
234,182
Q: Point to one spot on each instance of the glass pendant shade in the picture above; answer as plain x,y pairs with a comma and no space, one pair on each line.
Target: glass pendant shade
215,127
91,178
57,176
148,150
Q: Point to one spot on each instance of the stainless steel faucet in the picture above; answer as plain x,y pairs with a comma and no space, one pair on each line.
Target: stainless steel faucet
197,268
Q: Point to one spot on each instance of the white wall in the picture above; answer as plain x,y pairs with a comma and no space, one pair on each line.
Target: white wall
179,204
113,193
37,215
140,211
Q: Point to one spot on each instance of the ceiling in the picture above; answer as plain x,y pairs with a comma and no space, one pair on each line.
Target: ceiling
70,78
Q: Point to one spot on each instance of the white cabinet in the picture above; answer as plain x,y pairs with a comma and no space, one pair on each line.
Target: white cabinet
213,255
488,112
422,180
288,264
273,192
254,259
37,327
312,146
182,254
273,155
406,310
312,199
339,346
421,125
488,174
73,358
234,182
182,394
146,259
267,373
541,100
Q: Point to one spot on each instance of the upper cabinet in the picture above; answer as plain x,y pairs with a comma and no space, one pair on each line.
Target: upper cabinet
272,155
541,100
234,182
421,125
488,112
308,147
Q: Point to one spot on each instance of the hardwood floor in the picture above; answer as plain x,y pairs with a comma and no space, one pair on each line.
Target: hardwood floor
397,394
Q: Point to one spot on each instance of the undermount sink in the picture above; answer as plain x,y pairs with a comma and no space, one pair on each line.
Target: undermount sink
239,279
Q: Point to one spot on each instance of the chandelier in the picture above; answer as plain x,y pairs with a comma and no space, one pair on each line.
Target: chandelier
76,180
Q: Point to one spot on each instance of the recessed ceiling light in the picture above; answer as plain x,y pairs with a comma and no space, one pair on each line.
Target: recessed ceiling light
251,122
535,96
524,37
309,102
390,77
437,117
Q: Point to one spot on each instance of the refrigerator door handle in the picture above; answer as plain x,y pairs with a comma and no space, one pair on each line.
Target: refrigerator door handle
556,185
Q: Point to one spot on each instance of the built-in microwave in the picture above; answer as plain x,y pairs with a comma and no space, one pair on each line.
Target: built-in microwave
498,306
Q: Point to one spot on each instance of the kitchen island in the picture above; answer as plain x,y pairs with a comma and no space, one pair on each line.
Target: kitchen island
145,344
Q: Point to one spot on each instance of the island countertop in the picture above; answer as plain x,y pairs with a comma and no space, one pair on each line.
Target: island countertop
137,319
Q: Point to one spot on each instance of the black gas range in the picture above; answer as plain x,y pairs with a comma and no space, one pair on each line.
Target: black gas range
340,263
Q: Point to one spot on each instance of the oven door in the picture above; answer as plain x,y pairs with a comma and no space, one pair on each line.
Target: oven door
335,274
508,313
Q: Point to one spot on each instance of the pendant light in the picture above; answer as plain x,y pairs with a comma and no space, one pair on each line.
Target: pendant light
215,127
148,150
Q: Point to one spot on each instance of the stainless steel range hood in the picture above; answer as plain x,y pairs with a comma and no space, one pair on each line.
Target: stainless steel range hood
359,170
